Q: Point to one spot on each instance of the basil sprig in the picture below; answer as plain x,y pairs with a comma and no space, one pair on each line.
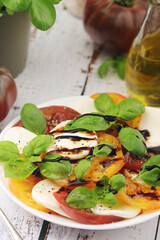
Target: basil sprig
56,167
91,122
101,150
150,171
8,150
83,198
38,145
33,119
133,141
126,110
19,168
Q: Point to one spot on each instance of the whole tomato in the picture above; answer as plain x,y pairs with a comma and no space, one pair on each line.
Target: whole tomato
8,92
114,23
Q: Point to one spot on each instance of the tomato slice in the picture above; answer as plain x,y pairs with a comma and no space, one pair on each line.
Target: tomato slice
138,194
117,98
81,215
54,115
133,162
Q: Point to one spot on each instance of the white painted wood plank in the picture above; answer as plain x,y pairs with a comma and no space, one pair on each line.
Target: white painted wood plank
144,231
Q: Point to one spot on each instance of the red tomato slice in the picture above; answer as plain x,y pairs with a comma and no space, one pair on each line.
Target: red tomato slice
133,162
81,215
55,115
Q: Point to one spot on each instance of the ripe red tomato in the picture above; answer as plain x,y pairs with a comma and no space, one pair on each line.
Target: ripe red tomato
55,115
133,162
81,215
8,92
112,24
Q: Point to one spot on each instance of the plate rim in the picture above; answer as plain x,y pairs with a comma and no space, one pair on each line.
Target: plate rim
61,220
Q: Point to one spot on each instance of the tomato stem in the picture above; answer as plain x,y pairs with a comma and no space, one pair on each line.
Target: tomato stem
125,3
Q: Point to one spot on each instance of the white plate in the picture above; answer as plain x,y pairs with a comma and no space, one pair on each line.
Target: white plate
60,219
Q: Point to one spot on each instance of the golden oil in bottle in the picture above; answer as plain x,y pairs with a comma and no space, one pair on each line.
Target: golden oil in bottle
143,70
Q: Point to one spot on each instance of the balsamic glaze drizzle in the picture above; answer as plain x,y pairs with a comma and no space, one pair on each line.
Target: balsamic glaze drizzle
74,138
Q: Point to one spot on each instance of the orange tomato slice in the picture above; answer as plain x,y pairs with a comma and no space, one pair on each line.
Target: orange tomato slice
117,98
108,165
138,194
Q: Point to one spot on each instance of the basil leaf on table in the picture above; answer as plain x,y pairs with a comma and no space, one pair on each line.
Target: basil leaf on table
33,119
82,198
103,102
91,122
129,109
42,14
103,149
121,65
110,199
81,168
19,168
104,67
56,170
150,171
38,145
8,150
133,141
117,182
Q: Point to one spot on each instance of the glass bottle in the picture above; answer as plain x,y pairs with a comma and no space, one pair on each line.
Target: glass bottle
143,61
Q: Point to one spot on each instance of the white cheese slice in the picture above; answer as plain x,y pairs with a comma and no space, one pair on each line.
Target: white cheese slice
69,147
120,210
151,122
20,136
84,105
42,193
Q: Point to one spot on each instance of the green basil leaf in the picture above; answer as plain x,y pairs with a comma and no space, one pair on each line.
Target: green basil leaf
42,14
82,168
33,119
8,150
103,102
34,159
113,110
52,156
16,5
121,65
103,149
91,122
150,171
110,199
129,109
101,187
133,141
38,145
82,198
117,182
104,67
19,168
56,170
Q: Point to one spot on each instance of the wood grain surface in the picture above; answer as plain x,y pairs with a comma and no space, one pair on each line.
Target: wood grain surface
63,62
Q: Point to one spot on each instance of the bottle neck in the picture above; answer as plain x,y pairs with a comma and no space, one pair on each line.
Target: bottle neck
151,23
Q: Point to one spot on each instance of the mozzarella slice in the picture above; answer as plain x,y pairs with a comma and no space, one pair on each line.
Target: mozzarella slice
75,145
84,105
150,122
42,193
120,210
20,136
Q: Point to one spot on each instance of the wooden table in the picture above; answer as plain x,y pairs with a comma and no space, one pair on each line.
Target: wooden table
63,62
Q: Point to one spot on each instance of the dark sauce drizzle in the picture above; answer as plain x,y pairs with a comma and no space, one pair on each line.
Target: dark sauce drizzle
113,153
145,133
56,159
78,182
74,138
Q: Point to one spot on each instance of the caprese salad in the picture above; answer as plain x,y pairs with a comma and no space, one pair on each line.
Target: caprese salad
96,162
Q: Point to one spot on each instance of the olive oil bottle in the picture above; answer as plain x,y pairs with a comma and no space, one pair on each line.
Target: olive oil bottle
143,61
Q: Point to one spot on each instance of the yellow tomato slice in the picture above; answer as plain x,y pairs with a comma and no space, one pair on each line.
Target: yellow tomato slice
108,165
138,194
117,98
22,189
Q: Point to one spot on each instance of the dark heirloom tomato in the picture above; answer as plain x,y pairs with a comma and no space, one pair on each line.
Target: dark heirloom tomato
111,24
8,92
55,115
81,215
